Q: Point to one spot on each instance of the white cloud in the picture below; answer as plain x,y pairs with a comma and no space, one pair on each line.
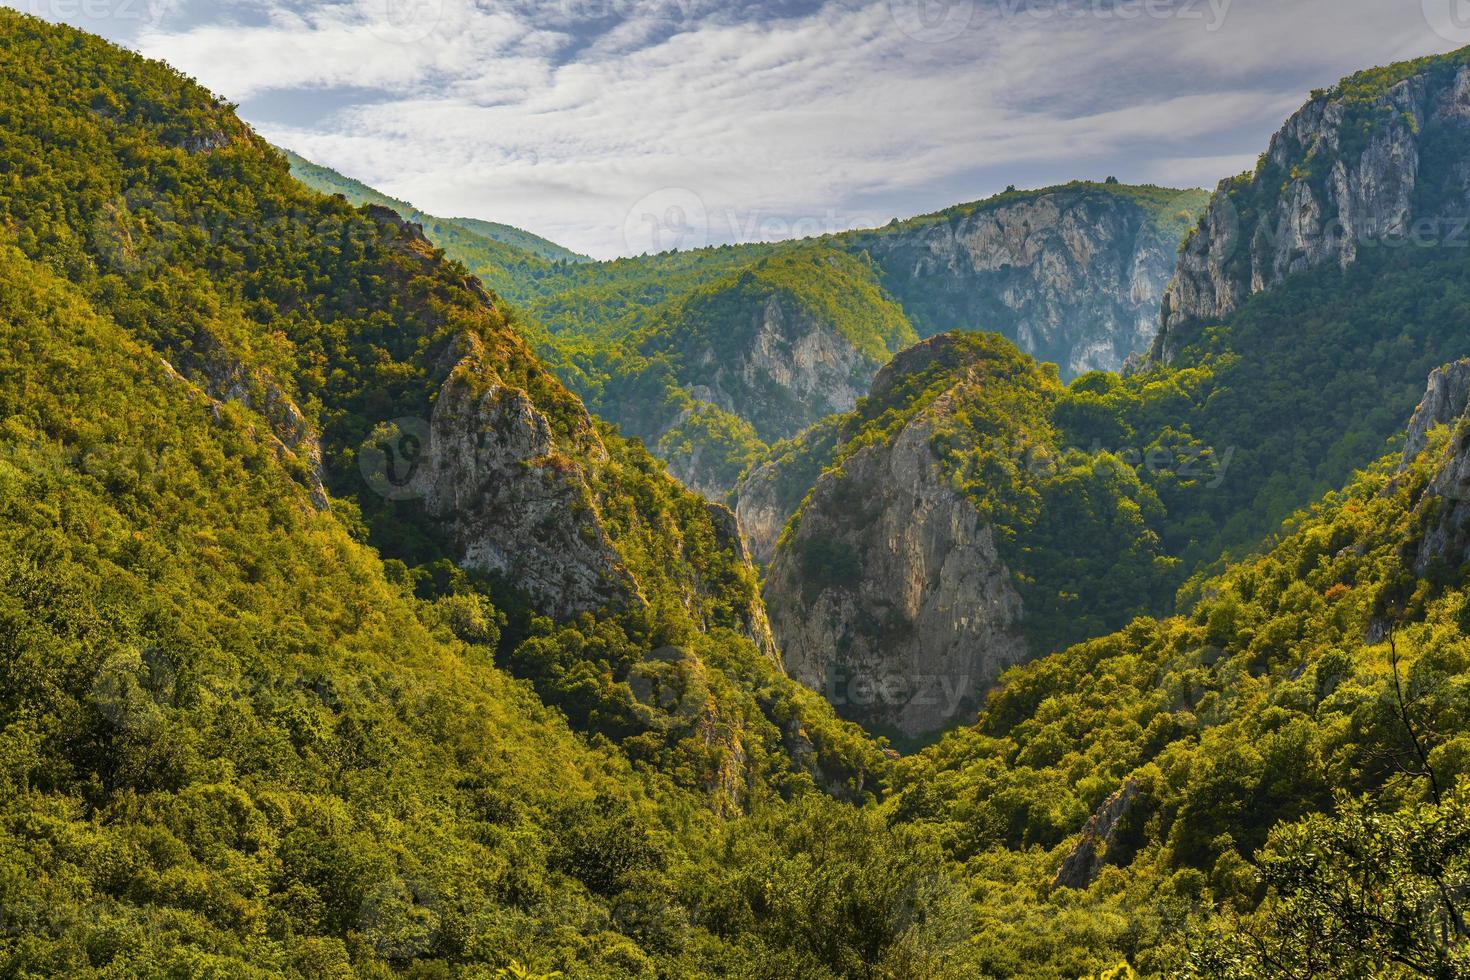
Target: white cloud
523,114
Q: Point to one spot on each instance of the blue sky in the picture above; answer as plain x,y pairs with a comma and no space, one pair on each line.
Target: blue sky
622,126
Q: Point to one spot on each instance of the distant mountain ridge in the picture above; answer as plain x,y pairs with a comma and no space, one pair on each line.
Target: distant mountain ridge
710,355
329,181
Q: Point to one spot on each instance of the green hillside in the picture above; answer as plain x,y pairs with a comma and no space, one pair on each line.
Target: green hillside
634,336
284,692
1307,682
458,234
257,722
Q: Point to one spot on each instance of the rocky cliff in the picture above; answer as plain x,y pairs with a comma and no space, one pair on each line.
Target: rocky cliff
769,493
890,597
781,367
1445,528
949,533
516,505
1369,163
887,593
1072,274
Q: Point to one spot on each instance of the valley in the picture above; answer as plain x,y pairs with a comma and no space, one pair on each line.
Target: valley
1066,584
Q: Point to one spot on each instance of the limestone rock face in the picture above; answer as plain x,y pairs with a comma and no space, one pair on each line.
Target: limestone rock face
767,496
762,511
1072,275
915,614
1445,400
1446,503
785,370
1081,867
224,377
1339,177
516,506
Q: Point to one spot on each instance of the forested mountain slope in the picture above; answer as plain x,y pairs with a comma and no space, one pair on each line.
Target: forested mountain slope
339,639
470,241
302,541
950,534
710,355
1192,461
1159,793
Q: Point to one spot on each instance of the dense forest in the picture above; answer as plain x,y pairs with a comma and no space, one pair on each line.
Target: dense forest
340,639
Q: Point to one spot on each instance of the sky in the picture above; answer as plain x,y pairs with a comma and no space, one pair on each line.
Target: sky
617,127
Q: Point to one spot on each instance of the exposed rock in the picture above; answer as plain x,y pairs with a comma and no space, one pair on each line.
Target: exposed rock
1444,508
515,505
916,613
841,784
1073,275
224,378
762,510
1445,400
753,618
206,142
779,367
1338,177
769,493
1081,867
303,446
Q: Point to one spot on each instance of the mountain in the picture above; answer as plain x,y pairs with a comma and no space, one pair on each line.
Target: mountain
467,239
1369,165
950,534
340,638
711,355
1071,274
1231,427
1262,787
769,349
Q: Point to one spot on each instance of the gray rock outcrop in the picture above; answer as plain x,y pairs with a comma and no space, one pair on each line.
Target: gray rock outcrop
514,504
1342,175
782,370
1085,861
1446,400
911,613
1073,275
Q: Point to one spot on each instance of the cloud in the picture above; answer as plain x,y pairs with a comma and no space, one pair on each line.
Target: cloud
565,116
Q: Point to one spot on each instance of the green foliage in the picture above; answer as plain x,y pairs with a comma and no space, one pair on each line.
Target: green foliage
253,724
238,740
1300,386
1075,527
1359,893
1254,710
469,241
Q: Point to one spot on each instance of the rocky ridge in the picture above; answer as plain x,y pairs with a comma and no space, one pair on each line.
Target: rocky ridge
1071,274
1346,172
887,592
1446,509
